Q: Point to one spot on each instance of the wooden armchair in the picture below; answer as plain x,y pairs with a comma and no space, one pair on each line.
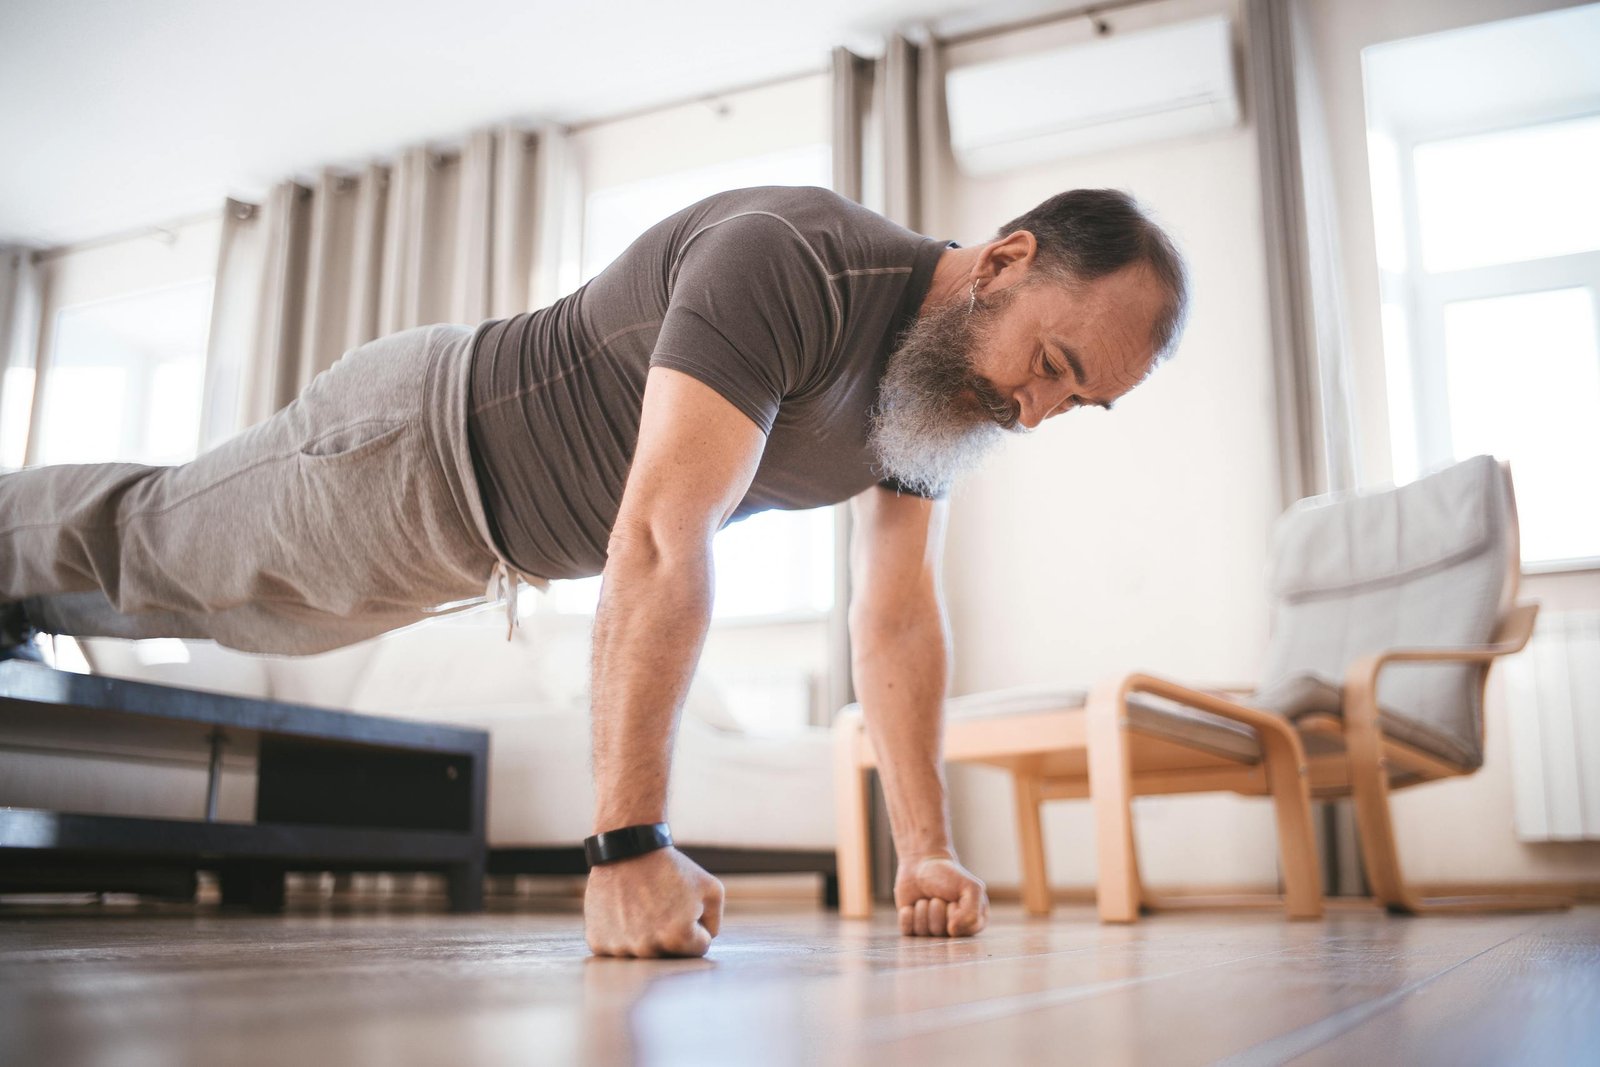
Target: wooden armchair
1388,609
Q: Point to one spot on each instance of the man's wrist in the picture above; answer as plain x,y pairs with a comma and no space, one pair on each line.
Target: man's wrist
907,856
636,817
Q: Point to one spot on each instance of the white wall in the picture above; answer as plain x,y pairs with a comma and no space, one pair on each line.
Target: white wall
1134,539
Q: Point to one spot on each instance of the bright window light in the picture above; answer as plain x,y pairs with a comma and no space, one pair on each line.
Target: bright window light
1514,195
83,414
773,563
16,399
1524,385
124,378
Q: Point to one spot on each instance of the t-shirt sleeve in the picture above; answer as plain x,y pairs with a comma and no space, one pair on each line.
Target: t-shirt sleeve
898,486
750,314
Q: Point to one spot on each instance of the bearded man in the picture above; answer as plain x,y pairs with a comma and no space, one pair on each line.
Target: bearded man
764,348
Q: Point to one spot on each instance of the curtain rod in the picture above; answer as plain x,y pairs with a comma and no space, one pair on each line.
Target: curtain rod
41,255
1042,19
703,98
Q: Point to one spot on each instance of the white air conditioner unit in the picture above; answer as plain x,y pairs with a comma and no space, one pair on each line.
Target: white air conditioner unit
1092,97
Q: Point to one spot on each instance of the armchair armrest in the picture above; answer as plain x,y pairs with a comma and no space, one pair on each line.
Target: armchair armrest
1264,722
1363,734
1511,637
1239,687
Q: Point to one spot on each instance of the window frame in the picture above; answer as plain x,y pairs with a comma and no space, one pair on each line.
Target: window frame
1424,295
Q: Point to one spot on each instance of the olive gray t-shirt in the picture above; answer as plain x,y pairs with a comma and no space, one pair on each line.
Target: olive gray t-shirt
787,301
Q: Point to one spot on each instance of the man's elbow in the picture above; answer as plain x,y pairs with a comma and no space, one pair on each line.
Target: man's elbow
639,545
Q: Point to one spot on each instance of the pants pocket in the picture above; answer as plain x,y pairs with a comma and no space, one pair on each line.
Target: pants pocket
352,441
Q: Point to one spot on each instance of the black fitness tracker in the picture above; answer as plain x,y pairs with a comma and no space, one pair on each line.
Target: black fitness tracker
626,843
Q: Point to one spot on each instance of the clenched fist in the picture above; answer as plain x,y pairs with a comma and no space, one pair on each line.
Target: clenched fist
938,897
659,904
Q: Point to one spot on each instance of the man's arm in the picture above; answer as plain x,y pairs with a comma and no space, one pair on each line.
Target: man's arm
693,463
900,646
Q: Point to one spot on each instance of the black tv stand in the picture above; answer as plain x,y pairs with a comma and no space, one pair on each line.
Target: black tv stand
335,791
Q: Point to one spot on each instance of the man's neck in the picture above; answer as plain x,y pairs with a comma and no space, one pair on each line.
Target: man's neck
952,277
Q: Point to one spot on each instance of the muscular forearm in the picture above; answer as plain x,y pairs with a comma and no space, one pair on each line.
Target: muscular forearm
900,669
651,622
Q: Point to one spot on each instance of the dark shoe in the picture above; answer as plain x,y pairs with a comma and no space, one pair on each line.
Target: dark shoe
17,635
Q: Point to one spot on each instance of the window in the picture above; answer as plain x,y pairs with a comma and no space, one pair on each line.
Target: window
1488,233
123,334
1523,378
776,563
125,376
1545,176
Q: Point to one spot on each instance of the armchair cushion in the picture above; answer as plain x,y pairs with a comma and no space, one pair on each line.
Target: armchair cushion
1422,566
1193,728
1146,714
1018,700
1339,543
1307,693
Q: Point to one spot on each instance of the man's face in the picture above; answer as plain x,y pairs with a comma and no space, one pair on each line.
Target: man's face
1028,349
1055,348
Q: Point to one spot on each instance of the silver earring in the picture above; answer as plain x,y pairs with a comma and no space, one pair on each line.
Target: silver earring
972,296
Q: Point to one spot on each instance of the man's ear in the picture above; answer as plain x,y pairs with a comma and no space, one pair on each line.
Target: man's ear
1005,260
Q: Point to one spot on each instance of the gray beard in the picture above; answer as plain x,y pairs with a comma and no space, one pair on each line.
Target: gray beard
924,432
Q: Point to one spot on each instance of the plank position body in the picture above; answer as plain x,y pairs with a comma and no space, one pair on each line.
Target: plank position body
770,347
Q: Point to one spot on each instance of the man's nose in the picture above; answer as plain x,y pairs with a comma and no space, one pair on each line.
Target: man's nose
1034,406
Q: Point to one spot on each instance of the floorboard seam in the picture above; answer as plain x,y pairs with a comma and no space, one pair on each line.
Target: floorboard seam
1304,1039
931,1020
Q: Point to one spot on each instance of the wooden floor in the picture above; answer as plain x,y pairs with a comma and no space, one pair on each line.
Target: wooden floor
792,984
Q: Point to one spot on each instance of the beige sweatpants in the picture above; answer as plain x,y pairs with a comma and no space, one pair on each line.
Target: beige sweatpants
352,511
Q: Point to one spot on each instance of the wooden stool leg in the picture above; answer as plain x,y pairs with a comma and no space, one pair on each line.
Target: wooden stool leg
854,862
1297,849
1111,793
1030,834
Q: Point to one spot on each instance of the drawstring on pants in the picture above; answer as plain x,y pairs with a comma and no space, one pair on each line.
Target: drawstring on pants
499,579
503,581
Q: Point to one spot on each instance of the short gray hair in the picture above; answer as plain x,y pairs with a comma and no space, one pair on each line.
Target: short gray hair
1085,234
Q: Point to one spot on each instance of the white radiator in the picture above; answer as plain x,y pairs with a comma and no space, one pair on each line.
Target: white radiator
1553,700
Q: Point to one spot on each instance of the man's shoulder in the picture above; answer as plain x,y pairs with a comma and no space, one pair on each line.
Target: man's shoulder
840,233
786,199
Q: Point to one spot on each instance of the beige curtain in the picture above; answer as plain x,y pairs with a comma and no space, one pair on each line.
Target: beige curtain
314,270
890,132
20,309
914,131
1316,433
890,137
852,93
1315,427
